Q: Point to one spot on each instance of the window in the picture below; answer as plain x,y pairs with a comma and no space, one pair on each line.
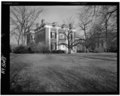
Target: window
71,36
53,35
62,36
53,46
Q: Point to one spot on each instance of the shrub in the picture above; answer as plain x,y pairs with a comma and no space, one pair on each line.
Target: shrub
39,48
80,51
32,48
112,49
21,49
57,51
12,48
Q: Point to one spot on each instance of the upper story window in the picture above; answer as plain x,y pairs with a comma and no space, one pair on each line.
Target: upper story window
53,35
62,36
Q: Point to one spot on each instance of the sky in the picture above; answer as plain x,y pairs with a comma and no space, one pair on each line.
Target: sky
59,13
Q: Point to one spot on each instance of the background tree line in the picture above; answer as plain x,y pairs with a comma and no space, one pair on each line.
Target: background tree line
99,24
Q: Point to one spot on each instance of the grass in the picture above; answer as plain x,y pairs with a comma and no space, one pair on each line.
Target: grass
83,73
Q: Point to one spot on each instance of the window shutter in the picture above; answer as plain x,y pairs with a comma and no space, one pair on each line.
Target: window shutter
71,37
55,35
51,34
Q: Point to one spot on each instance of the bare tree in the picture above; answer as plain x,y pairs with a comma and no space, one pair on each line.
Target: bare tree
107,12
95,36
22,19
103,23
71,42
85,18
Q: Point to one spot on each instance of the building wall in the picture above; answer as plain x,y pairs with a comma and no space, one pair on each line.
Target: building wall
55,36
47,37
40,36
62,39
51,36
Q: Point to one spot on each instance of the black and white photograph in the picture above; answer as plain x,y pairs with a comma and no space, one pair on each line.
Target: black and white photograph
60,48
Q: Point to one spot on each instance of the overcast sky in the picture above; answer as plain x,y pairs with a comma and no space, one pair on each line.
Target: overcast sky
59,13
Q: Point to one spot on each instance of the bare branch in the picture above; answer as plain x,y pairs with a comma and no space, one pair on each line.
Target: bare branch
23,18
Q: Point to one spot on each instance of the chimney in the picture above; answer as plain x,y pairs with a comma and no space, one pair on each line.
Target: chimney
54,24
42,21
63,26
70,26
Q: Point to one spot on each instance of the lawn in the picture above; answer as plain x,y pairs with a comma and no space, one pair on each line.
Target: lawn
83,73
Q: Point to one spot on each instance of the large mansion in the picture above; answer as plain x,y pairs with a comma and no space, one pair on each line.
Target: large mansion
52,36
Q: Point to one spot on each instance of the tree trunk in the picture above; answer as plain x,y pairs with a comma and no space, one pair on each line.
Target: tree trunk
106,49
23,43
69,51
18,41
85,40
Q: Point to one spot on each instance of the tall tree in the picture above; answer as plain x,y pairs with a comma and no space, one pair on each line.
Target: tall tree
107,13
22,20
85,18
70,35
103,21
